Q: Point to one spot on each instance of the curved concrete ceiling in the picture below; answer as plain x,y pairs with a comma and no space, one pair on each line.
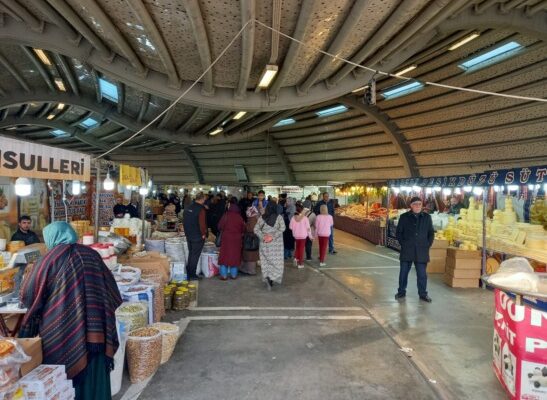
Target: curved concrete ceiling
153,50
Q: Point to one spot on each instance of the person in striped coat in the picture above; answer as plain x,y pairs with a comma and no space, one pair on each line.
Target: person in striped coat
71,297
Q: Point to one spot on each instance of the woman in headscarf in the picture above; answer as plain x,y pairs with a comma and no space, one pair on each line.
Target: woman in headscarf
250,257
232,227
288,238
71,297
269,230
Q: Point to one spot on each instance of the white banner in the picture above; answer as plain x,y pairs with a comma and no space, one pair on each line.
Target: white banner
32,160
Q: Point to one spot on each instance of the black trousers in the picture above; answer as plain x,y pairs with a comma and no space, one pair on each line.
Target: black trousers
194,251
309,244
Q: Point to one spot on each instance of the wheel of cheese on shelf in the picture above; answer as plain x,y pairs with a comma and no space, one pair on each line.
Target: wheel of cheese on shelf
492,265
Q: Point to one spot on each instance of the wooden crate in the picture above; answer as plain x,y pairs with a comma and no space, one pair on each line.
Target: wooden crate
463,263
437,253
454,252
440,244
460,273
436,265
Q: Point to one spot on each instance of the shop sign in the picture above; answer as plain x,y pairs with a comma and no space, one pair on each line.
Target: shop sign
520,348
32,160
516,176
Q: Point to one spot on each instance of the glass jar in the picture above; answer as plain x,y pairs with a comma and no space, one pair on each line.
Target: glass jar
193,292
167,299
185,297
178,301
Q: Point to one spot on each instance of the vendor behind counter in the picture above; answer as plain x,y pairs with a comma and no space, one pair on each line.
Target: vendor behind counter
24,233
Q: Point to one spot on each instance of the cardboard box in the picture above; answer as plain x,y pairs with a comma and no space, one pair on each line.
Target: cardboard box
463,263
454,252
437,253
43,381
436,265
461,282
463,273
440,244
32,348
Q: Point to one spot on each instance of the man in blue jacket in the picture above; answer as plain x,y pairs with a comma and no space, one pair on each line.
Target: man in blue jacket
330,207
415,234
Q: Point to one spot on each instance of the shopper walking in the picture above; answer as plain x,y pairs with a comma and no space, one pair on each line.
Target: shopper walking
250,253
195,229
300,227
269,230
323,228
309,240
245,203
415,234
330,206
71,297
288,237
231,228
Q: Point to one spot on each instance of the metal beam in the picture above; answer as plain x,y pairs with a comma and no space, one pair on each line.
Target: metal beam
74,19
339,42
167,117
192,160
39,67
516,20
34,23
202,41
247,47
67,72
23,111
15,73
62,23
121,96
221,116
55,124
43,110
144,106
94,10
392,131
150,27
189,121
304,20
282,157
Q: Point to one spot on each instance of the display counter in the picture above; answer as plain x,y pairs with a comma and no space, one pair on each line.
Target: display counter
520,340
369,229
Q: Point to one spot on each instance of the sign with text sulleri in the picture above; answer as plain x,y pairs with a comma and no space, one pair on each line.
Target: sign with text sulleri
520,348
32,160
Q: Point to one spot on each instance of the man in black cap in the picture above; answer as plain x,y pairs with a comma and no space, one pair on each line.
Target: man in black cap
415,234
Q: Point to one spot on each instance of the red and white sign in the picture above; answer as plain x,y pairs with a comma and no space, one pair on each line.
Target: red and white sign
520,349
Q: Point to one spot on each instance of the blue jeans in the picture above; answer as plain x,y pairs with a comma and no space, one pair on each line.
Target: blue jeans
331,239
224,271
422,277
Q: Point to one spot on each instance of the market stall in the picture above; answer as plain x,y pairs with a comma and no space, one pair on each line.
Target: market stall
363,214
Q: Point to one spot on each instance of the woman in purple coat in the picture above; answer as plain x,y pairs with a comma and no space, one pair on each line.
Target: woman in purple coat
232,229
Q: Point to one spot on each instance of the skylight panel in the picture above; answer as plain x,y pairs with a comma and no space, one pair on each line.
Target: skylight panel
492,56
283,122
89,123
108,90
402,89
59,133
332,111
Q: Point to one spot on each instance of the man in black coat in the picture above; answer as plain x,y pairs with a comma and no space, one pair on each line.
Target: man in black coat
415,234
195,229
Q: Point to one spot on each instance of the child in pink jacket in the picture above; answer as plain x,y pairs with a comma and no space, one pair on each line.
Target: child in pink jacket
323,224
300,226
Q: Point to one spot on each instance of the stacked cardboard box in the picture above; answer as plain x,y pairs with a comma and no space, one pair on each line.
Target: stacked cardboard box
47,382
437,257
463,268
152,263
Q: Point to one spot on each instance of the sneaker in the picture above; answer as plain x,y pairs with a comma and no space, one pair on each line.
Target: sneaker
301,266
400,296
308,258
334,252
426,298
322,264
294,262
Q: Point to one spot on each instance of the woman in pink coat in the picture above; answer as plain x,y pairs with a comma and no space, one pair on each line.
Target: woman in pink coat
323,224
232,227
300,226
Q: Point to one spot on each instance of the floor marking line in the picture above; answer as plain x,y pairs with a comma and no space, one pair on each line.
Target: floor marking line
247,308
350,268
368,251
280,317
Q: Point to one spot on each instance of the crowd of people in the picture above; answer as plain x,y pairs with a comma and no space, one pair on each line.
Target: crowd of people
258,229
433,203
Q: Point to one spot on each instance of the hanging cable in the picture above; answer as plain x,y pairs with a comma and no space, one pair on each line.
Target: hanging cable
181,96
401,77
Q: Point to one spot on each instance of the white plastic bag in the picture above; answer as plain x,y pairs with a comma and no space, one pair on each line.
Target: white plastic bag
516,273
10,363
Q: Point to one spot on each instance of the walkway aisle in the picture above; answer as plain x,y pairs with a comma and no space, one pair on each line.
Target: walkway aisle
311,338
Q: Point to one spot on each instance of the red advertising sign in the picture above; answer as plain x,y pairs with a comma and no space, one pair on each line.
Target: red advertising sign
520,348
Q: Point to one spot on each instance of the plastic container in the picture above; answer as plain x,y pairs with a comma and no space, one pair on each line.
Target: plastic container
133,313
170,334
116,375
167,299
193,290
144,351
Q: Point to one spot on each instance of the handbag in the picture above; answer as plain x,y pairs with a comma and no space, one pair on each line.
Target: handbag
250,242
218,239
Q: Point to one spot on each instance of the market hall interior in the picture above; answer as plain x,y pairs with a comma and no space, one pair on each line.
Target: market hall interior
116,116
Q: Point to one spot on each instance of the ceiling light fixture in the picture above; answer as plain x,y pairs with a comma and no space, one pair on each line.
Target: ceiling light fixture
108,183
50,116
270,71
42,56
240,115
60,106
405,70
23,187
216,131
465,40
60,84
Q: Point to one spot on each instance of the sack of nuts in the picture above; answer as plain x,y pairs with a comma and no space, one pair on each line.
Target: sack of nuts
170,334
144,350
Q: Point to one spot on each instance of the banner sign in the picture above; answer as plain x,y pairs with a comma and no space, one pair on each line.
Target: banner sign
515,176
520,348
32,160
